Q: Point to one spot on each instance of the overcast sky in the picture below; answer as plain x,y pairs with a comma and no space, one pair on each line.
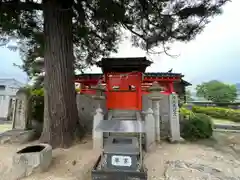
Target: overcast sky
212,55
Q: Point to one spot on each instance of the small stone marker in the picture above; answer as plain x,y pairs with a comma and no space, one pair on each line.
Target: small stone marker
21,117
174,119
22,131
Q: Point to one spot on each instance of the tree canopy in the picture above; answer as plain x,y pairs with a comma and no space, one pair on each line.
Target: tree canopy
189,95
97,25
217,91
73,34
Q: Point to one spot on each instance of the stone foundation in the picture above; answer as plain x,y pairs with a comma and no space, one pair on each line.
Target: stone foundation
17,136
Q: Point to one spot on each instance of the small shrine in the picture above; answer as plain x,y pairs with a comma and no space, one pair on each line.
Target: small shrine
139,107
171,82
123,78
122,156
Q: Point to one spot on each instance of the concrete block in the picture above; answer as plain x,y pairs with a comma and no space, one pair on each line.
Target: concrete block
31,159
150,129
17,136
97,136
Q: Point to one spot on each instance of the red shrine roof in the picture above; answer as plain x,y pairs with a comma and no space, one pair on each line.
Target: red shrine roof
139,64
149,77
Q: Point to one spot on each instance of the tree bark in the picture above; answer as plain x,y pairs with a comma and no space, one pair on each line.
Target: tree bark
60,111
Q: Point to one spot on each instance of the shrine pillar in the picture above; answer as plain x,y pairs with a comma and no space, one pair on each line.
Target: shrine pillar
174,118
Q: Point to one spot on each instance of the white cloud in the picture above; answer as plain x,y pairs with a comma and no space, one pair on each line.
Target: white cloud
200,56
206,57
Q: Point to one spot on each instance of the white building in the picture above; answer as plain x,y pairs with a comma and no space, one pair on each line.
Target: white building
8,90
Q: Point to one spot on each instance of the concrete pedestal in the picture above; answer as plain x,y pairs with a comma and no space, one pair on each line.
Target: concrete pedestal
150,129
156,96
97,136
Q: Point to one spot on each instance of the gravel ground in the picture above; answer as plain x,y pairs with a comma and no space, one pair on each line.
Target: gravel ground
216,159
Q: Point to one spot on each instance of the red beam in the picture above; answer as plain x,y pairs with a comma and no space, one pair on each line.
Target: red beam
145,80
166,79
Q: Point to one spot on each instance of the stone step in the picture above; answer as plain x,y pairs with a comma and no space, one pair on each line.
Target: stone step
124,118
16,136
123,113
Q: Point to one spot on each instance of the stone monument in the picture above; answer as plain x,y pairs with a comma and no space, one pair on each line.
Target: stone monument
21,120
174,119
21,114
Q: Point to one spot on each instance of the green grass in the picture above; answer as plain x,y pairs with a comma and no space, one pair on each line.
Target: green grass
5,127
223,121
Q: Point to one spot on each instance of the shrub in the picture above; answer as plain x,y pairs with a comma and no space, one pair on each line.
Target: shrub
186,113
219,112
78,90
38,104
198,126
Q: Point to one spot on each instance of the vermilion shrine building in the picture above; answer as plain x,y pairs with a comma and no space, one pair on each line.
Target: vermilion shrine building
126,87
171,82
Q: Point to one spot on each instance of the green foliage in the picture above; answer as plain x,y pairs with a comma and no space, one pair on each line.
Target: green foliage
217,91
195,125
198,126
97,26
94,29
38,104
221,104
186,113
189,95
38,92
219,112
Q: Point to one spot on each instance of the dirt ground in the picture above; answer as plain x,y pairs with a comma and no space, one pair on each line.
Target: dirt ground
220,154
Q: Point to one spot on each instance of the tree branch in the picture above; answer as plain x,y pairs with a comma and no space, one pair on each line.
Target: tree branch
17,4
132,31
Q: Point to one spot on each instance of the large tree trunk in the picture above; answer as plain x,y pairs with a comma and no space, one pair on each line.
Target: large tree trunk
60,112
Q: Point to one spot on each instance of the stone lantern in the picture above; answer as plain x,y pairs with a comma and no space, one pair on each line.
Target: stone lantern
99,94
155,95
